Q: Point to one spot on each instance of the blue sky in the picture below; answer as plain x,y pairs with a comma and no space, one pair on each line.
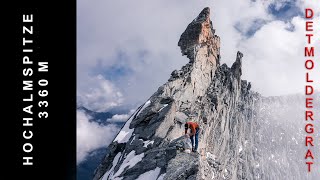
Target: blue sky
284,11
127,49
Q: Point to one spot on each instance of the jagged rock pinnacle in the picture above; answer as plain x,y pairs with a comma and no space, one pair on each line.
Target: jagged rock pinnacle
199,33
204,14
214,96
237,65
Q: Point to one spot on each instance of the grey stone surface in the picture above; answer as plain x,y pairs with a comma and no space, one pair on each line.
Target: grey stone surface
237,126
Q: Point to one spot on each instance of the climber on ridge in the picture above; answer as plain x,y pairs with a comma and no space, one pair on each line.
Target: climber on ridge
194,135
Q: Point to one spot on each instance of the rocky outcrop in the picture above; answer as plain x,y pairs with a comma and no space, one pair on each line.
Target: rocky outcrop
211,94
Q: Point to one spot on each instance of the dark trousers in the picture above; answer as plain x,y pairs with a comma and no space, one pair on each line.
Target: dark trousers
195,140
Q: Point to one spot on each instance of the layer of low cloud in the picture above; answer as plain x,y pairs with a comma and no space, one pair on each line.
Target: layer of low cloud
119,118
91,135
98,93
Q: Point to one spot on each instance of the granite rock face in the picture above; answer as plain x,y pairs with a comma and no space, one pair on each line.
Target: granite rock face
213,95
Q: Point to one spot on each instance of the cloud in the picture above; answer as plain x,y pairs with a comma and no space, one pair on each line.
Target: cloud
119,118
309,4
91,135
115,35
274,58
99,94
133,44
127,49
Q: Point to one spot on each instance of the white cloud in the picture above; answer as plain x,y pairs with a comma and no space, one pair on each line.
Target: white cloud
147,32
98,94
309,4
119,118
274,58
132,27
153,28
91,135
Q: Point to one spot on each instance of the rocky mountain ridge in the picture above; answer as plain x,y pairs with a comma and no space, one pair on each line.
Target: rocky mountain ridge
216,97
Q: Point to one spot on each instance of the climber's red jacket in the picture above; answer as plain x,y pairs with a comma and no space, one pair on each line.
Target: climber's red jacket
193,126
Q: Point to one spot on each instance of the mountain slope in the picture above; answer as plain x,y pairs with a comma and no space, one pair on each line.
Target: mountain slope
217,98
230,116
98,117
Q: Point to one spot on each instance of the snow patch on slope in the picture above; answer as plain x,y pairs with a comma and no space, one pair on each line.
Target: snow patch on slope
114,163
149,174
165,105
125,133
161,176
146,143
131,160
144,106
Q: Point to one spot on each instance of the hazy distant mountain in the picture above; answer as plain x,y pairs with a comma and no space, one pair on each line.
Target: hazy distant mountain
86,169
99,117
